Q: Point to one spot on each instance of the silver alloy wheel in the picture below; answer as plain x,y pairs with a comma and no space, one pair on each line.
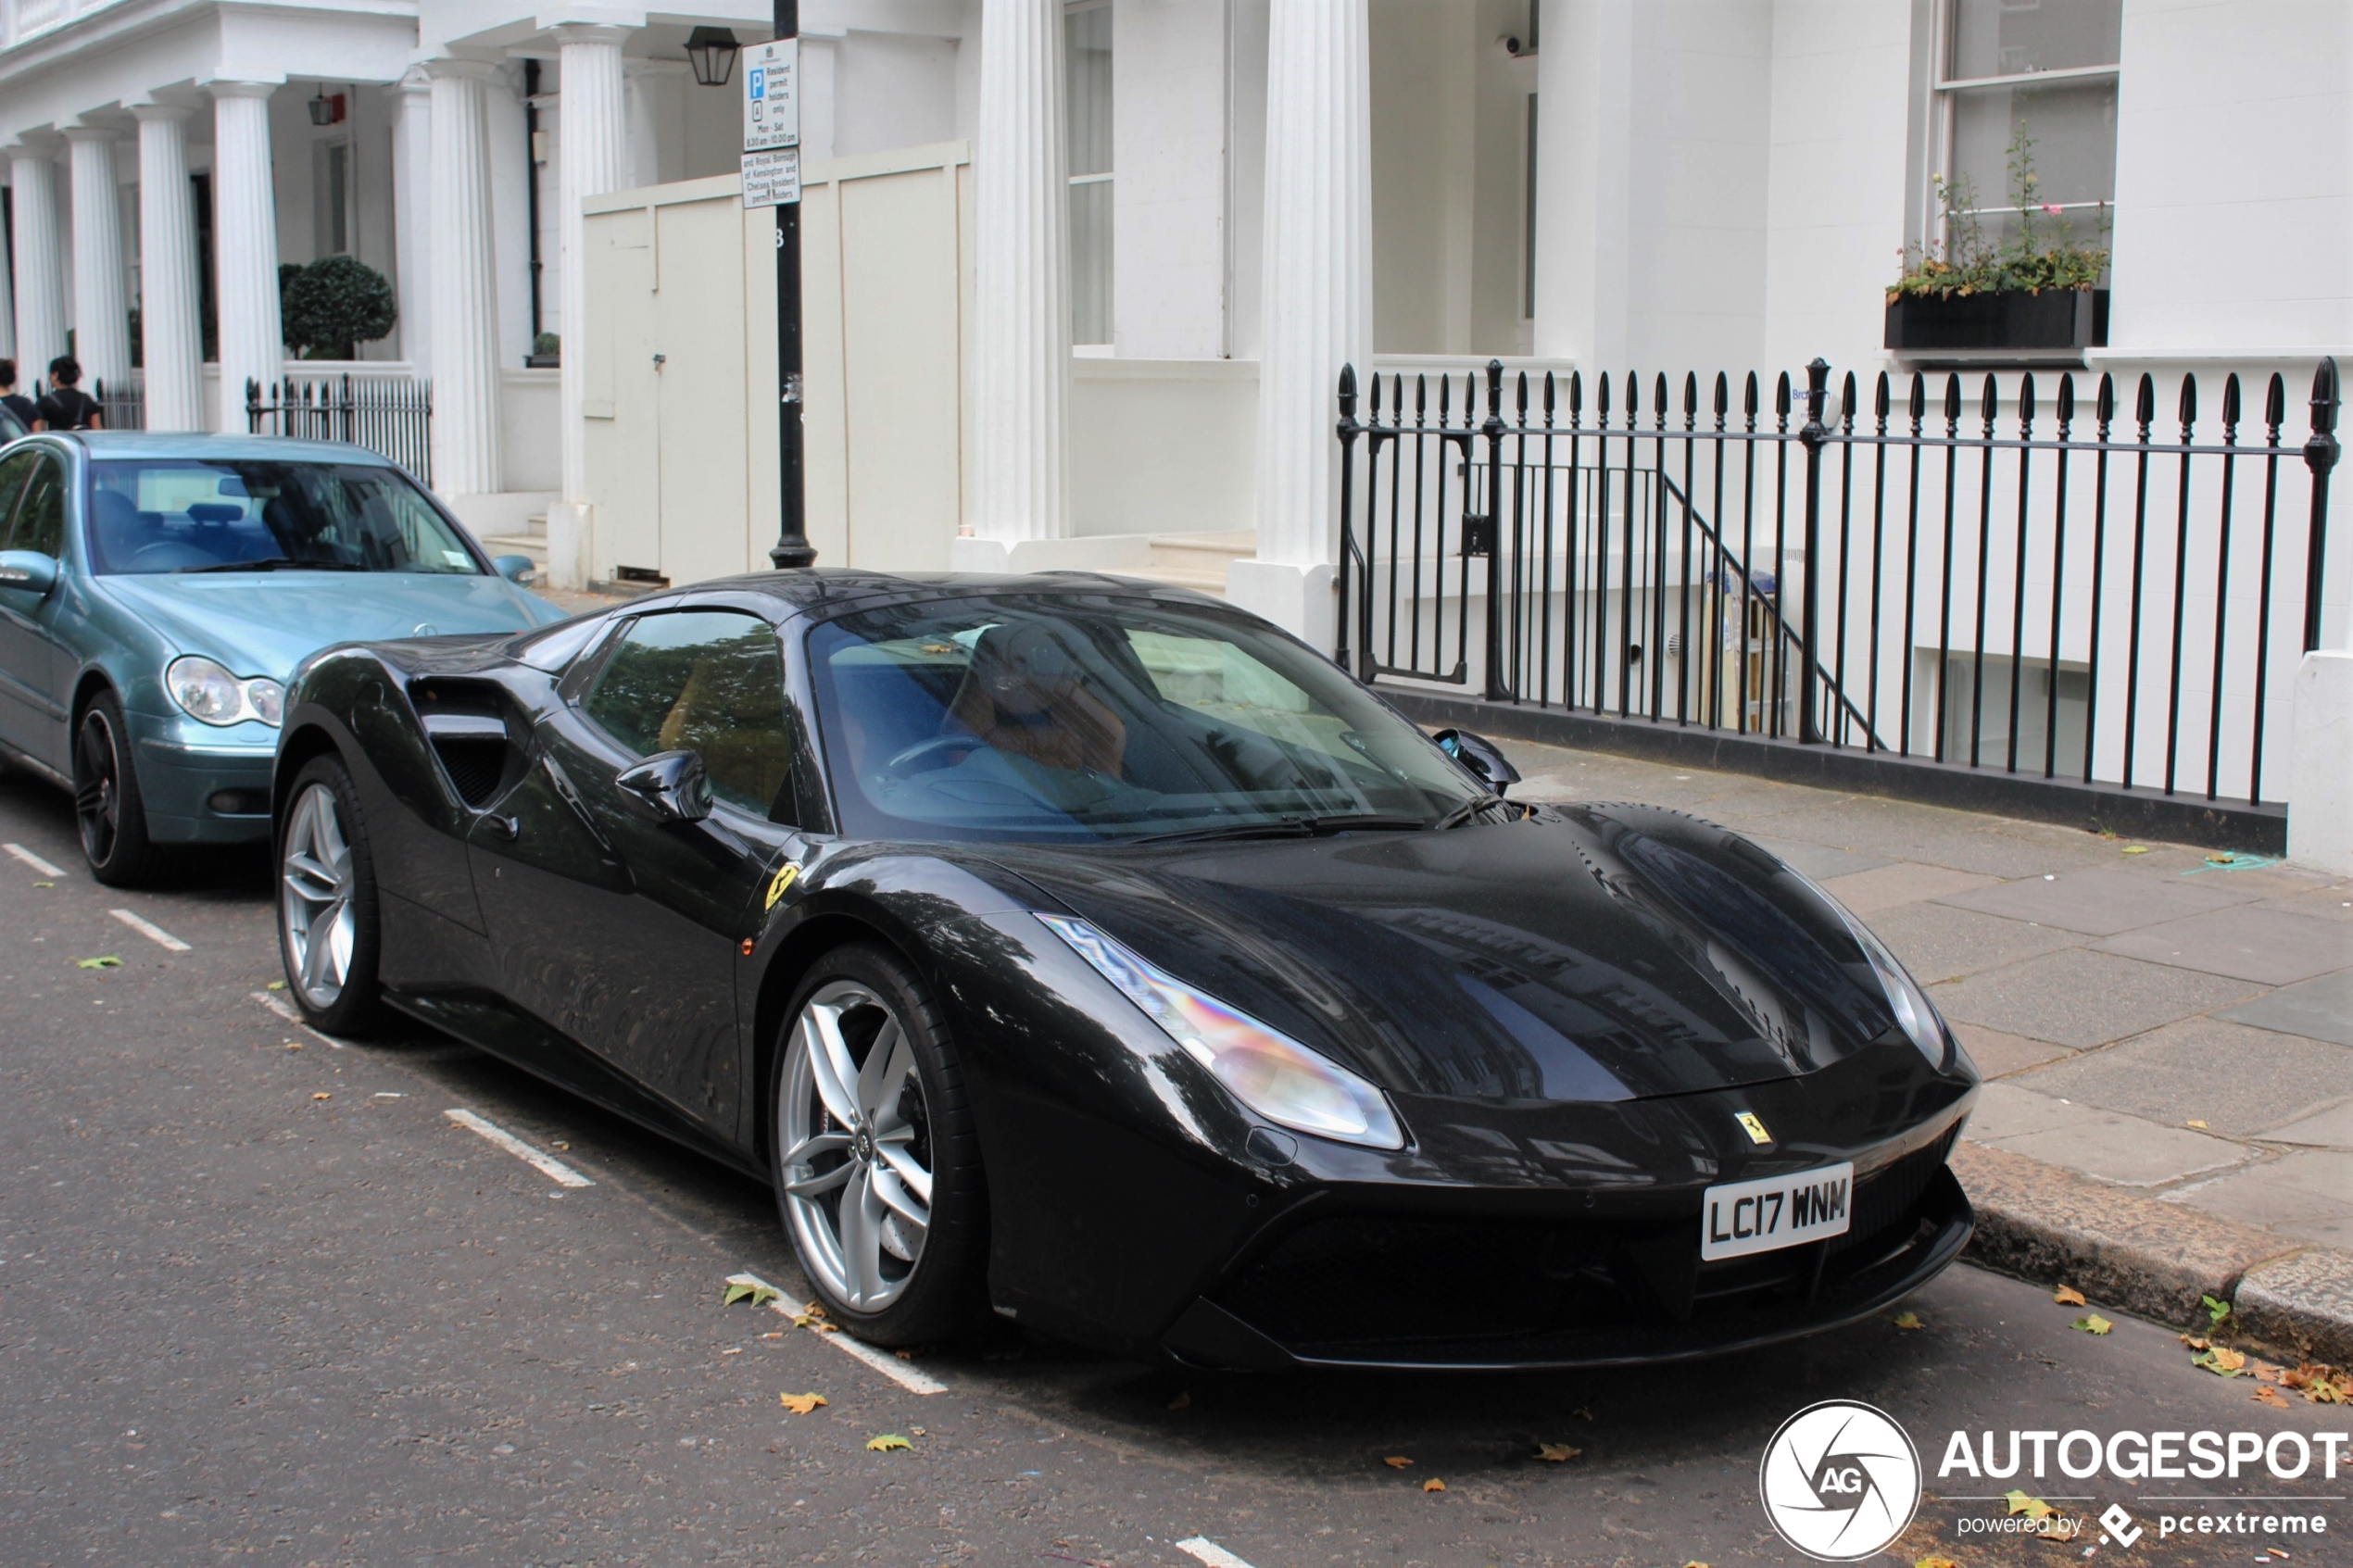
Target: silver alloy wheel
314,898
857,1145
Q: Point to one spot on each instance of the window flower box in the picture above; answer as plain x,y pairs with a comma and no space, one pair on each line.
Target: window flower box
2011,320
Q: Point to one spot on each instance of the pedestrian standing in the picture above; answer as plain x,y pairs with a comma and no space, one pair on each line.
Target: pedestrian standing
67,407
14,401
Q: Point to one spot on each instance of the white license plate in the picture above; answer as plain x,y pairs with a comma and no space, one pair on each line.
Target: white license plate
1740,1218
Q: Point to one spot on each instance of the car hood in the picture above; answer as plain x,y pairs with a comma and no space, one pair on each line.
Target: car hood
1582,954
265,622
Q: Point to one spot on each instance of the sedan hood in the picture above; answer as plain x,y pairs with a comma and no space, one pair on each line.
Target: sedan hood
1582,954
265,622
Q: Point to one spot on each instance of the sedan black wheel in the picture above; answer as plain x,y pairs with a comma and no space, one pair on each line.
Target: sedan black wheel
107,807
327,931
877,1170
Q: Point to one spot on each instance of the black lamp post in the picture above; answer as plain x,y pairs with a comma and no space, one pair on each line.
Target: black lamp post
712,50
792,547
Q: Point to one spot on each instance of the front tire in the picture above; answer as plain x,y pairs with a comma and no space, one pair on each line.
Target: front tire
877,1169
108,808
327,932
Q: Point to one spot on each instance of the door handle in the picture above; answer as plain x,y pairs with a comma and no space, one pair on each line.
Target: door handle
505,827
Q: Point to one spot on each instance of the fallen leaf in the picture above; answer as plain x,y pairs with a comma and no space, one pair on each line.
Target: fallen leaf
1936,1562
109,961
44,884
1908,1320
277,985
2221,1361
887,1442
2093,1324
322,1095
2137,849
2272,1397
1397,1461
1556,1453
1694,1562
919,1432
562,1144
294,1045
905,1355
757,1295
1433,1484
2222,858
2067,1296
2034,1507
2194,1343
801,1404
2199,1125
1182,1402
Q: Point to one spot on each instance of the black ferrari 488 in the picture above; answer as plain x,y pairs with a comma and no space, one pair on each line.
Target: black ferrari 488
1098,955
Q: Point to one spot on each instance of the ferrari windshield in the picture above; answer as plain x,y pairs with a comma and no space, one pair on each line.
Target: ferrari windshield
1056,719
238,514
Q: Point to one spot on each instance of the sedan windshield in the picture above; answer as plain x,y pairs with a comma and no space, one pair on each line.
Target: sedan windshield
237,514
1053,719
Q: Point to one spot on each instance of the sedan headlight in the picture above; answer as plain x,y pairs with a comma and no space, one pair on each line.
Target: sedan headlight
1909,1003
1279,1078
206,691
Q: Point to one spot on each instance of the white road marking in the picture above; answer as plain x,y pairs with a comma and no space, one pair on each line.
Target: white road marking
1203,1550
883,1361
30,859
285,1009
152,932
547,1165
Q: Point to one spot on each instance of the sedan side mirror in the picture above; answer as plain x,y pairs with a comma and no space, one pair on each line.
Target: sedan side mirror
518,569
1480,758
669,786
28,571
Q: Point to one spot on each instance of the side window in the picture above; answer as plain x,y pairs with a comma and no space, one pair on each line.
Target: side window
41,517
711,682
14,472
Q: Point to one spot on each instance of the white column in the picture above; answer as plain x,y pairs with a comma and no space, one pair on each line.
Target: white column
101,293
412,215
1021,292
40,273
170,336
465,285
245,239
592,158
1316,303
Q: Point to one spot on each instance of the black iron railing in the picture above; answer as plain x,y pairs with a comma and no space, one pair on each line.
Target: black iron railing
2063,598
123,404
393,417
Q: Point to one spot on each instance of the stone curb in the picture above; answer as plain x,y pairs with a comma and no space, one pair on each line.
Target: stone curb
2154,1259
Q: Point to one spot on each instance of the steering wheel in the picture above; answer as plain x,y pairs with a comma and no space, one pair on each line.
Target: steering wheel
903,762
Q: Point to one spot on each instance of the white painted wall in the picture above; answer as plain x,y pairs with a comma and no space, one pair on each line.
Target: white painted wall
2234,186
1168,187
1163,446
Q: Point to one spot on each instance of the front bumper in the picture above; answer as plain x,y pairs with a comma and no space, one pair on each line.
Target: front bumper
212,788
1348,1285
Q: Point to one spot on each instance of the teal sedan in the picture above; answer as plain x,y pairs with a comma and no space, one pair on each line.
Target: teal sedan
156,591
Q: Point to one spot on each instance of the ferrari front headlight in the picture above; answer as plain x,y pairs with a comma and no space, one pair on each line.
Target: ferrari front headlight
207,691
1271,1074
1913,1014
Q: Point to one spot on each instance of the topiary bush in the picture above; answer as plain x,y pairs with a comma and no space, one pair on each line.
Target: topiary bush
334,305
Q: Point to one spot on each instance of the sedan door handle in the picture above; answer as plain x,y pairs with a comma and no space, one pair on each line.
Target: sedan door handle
505,827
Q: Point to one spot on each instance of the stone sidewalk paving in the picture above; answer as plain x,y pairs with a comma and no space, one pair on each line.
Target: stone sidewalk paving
2150,1018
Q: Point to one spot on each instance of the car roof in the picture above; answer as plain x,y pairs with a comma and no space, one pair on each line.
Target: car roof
196,443
824,592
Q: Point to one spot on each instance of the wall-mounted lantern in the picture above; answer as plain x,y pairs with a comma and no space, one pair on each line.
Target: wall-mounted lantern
713,51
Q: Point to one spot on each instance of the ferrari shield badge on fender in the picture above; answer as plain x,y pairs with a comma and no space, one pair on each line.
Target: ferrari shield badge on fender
1750,1122
782,880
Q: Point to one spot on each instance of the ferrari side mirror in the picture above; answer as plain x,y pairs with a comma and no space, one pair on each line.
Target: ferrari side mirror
28,571
669,786
1480,758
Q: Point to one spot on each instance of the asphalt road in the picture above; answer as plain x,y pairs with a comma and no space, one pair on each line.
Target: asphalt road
263,1300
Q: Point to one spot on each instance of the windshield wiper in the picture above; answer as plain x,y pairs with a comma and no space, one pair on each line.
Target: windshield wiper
1290,827
1466,812
272,563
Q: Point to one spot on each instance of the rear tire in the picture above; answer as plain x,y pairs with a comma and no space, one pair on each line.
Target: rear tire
108,808
327,932
886,1205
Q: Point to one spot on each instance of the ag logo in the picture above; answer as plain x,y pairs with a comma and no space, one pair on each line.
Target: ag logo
1840,1481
